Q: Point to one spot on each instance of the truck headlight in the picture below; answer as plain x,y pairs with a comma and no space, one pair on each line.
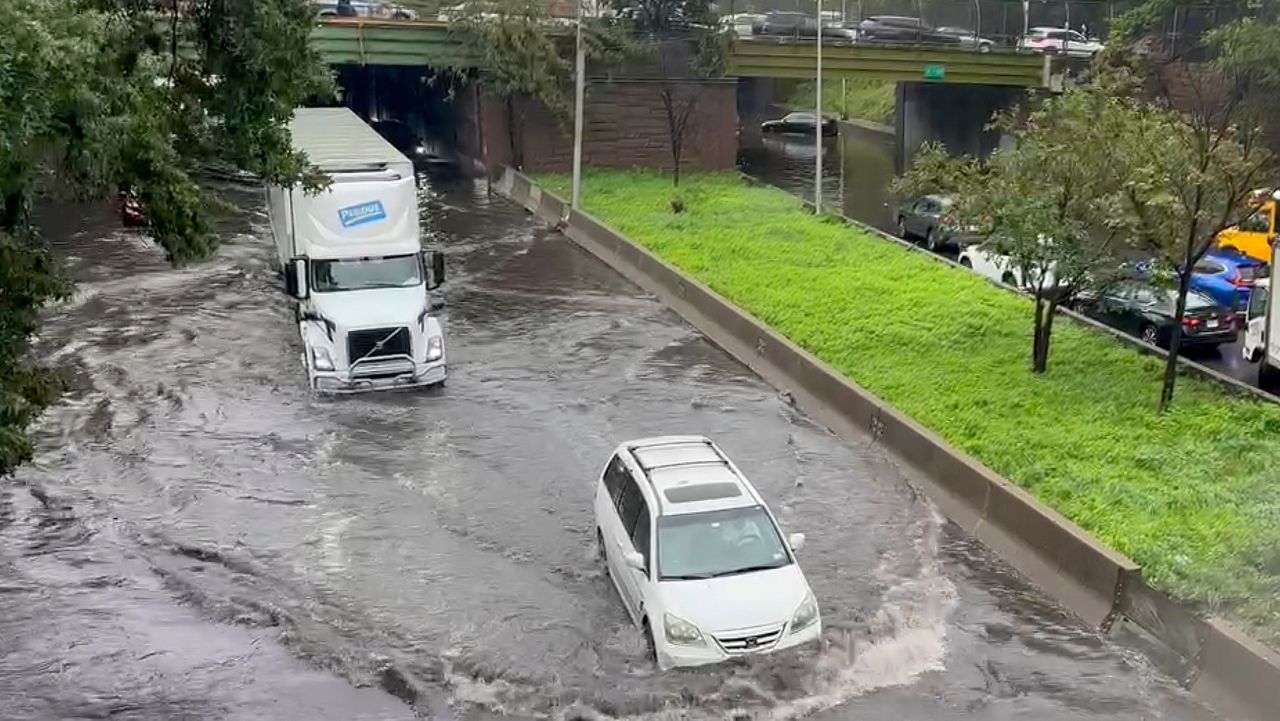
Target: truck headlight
806,614
681,632
435,348
321,360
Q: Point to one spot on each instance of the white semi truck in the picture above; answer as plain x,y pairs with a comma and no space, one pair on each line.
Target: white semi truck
352,257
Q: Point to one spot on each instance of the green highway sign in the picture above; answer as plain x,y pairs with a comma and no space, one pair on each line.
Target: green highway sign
935,72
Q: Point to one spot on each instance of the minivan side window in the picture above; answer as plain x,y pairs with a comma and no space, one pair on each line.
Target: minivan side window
630,507
640,536
615,477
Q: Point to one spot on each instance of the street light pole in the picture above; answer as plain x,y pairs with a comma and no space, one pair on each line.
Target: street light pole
817,128
579,93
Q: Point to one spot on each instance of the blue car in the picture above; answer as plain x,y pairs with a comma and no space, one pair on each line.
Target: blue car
1227,277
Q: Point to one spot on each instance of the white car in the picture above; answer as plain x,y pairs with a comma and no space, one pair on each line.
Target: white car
697,558
1063,41
1255,329
986,262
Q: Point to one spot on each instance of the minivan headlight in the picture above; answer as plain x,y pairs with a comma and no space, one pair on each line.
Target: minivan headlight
435,348
681,632
321,360
806,614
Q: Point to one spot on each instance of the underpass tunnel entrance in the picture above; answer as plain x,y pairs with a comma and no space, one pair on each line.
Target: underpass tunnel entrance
412,106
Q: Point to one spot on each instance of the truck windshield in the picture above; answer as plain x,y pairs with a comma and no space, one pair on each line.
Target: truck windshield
397,271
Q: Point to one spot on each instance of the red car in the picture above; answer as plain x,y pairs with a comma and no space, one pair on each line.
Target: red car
131,213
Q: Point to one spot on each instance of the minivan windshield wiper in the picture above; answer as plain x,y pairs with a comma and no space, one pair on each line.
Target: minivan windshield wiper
749,569
690,577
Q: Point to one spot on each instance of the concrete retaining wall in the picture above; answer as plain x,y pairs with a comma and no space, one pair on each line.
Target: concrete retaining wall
1101,586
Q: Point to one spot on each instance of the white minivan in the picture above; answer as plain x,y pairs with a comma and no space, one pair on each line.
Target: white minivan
696,556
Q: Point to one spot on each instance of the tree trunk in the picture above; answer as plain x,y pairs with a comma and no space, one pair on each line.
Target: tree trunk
675,172
1175,340
1037,337
13,212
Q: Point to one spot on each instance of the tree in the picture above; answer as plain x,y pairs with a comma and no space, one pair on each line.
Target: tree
1193,170
689,44
521,57
518,59
1044,204
1188,179
98,97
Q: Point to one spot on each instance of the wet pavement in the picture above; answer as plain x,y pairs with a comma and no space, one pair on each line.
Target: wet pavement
202,538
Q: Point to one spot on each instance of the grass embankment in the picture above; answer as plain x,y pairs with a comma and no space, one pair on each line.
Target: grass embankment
1193,496
871,100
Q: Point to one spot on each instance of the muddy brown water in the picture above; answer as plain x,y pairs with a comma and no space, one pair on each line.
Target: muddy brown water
201,538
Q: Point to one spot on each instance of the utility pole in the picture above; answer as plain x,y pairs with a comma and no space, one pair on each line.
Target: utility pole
579,93
817,128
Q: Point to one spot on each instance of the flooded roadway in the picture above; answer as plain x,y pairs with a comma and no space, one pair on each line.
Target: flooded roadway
202,538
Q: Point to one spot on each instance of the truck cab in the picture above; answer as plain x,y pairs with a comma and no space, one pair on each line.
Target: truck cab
351,256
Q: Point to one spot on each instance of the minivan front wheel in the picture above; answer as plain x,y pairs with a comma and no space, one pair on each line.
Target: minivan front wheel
651,642
600,553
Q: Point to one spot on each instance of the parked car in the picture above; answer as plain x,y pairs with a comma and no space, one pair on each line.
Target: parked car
986,261
799,122
1062,41
129,205
928,219
364,9
1255,329
1253,235
1228,278
969,39
893,28
788,23
1147,311
698,560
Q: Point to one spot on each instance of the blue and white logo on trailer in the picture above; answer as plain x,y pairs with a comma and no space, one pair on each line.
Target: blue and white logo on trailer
362,214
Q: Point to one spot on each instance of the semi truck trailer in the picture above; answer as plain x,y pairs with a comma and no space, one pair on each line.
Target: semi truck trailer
351,256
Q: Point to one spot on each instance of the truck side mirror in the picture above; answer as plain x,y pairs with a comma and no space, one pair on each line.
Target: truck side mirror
434,260
295,279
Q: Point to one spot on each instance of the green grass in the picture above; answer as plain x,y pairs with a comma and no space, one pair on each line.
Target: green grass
1193,495
871,100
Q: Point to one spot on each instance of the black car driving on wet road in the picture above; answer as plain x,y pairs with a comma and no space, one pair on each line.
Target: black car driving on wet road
799,122
1148,311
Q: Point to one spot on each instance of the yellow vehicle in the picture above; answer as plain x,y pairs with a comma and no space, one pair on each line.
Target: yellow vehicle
1254,234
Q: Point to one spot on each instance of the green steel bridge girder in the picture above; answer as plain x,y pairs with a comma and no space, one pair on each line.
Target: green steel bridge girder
391,43
364,42
772,59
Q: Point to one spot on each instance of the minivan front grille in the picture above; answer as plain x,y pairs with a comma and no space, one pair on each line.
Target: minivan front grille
377,343
736,642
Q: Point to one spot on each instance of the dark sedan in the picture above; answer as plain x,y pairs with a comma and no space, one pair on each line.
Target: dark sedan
897,29
1147,312
787,23
929,219
803,123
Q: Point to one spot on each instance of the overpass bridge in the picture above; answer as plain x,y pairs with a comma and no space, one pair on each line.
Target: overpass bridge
945,94
360,41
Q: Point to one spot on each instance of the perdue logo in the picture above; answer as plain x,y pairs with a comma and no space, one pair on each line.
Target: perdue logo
362,214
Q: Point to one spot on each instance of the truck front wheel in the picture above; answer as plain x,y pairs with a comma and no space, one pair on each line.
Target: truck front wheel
1268,378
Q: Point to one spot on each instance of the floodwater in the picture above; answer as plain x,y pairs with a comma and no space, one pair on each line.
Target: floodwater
201,538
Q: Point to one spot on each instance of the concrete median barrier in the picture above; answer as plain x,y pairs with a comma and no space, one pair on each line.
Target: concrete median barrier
1096,583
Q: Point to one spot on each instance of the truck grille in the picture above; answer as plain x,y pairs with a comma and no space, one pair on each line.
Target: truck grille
365,343
736,642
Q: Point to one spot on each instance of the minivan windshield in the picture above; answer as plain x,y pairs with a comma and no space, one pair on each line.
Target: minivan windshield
718,543
396,271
